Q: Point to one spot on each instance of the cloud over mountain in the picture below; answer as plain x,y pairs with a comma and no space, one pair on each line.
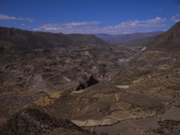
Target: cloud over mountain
176,18
6,17
93,26
157,22
137,25
71,27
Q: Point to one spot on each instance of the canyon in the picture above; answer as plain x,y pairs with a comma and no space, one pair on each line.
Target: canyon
78,84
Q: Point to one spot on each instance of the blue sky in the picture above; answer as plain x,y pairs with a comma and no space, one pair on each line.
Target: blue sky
90,16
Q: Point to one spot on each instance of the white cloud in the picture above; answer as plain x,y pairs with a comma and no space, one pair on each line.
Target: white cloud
136,25
73,27
157,22
71,24
176,18
81,23
93,27
6,17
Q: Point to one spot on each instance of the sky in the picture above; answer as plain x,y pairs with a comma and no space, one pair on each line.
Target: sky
90,16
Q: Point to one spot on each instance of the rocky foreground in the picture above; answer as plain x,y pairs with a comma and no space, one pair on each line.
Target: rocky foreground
32,122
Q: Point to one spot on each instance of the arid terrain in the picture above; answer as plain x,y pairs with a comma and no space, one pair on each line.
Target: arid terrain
78,84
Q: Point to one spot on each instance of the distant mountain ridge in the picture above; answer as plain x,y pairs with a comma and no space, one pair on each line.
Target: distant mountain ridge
128,38
16,39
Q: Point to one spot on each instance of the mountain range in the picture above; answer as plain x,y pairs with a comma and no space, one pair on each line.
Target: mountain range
134,38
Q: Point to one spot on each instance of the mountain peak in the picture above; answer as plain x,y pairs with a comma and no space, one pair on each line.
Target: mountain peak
176,26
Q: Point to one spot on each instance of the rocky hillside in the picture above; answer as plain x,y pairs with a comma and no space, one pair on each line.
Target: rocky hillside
168,41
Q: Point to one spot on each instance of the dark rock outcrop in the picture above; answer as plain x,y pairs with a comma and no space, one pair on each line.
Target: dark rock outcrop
89,83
